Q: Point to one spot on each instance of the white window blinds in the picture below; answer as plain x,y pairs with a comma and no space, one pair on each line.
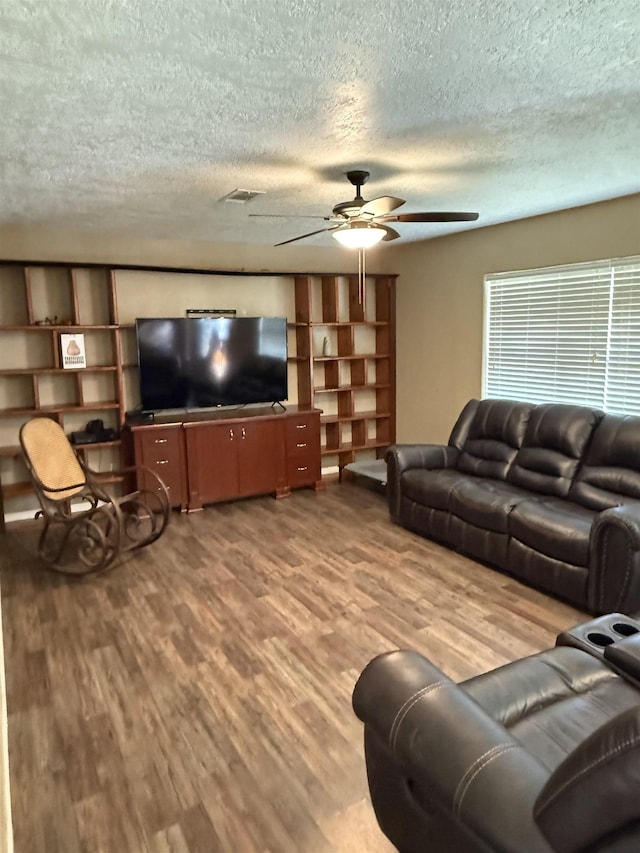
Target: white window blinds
565,334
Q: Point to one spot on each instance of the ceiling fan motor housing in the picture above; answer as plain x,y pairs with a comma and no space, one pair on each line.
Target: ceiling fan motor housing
348,209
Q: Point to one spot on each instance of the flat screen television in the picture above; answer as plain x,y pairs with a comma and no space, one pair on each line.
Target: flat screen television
211,361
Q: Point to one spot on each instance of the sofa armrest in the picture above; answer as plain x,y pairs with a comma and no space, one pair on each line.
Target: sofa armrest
469,764
596,790
614,576
403,457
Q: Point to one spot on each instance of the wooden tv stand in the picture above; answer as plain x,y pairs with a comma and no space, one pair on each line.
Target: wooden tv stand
207,457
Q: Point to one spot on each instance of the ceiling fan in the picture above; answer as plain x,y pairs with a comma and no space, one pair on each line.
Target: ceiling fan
361,224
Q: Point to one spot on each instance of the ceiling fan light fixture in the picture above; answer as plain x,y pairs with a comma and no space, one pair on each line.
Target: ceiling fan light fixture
359,235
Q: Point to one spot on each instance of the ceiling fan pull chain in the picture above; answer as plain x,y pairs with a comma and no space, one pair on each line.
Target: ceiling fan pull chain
361,278
364,283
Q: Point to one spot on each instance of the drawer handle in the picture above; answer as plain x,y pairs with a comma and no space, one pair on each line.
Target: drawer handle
301,426
244,434
162,462
301,444
231,434
160,440
304,468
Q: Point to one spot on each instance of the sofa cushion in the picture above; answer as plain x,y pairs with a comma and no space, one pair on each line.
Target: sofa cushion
557,528
544,700
555,440
486,503
463,423
610,474
565,580
493,438
431,488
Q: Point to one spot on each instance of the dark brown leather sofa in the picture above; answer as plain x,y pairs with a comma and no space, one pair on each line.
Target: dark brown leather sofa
548,493
540,755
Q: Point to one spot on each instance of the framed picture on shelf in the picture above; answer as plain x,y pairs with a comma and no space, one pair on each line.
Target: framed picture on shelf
73,351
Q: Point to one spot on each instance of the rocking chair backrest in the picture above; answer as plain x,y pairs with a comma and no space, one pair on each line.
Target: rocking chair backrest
51,459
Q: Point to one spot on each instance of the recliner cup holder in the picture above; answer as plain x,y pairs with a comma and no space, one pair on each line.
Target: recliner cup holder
603,635
599,639
624,629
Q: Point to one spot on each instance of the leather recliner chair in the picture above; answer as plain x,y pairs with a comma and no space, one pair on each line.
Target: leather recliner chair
542,754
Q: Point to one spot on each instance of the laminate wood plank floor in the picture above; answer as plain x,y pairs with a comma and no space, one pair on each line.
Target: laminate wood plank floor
197,697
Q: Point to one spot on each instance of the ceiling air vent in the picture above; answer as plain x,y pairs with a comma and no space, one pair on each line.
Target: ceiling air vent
242,196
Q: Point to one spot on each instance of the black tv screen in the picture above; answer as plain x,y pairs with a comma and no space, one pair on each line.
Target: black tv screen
211,361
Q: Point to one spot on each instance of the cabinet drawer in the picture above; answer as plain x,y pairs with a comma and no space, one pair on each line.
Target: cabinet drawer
302,473
172,482
170,475
302,451
302,428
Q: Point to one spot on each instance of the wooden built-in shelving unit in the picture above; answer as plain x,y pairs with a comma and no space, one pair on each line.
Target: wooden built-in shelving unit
353,385
39,303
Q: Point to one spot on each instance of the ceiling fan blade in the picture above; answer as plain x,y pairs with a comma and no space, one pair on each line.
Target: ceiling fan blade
310,234
432,217
380,206
391,234
289,216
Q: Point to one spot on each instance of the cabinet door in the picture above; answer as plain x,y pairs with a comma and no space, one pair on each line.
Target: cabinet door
160,449
212,462
303,450
261,458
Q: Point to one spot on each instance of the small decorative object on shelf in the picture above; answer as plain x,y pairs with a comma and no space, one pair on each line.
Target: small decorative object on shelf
72,351
326,347
54,321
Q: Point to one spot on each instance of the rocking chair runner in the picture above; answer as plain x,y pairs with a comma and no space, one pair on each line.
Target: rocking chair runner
103,527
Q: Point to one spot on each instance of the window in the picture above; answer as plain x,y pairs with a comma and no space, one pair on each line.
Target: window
566,334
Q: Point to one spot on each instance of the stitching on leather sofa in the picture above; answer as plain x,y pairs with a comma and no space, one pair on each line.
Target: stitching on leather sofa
627,575
479,765
408,705
604,554
602,758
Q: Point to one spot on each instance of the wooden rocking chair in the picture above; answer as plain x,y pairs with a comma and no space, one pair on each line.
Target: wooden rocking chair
101,527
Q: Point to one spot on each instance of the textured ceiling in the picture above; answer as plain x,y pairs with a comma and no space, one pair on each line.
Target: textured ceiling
137,116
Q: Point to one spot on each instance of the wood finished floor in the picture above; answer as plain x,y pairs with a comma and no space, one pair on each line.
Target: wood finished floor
198,697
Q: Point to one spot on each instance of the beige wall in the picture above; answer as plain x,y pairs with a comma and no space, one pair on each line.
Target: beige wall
51,244
440,300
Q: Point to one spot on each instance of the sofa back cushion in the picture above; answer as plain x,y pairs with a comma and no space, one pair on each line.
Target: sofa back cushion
610,473
462,425
492,437
556,438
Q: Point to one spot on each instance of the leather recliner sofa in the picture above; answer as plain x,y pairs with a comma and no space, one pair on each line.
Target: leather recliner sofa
548,493
540,755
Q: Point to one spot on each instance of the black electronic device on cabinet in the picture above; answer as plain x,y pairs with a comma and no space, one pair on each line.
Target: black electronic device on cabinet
94,432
